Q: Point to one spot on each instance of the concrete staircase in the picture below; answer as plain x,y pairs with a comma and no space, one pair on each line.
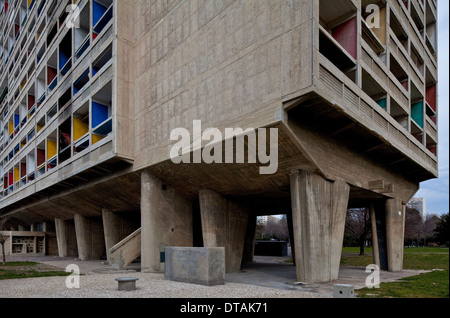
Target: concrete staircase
126,251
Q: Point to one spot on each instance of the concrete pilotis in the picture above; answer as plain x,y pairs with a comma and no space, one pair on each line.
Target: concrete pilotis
224,224
166,220
395,221
65,238
111,224
319,208
90,238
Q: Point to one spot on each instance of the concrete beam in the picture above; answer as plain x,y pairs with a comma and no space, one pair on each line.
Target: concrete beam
319,209
166,220
90,238
224,224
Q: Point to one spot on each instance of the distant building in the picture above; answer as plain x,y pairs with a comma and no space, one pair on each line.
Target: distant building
266,218
420,205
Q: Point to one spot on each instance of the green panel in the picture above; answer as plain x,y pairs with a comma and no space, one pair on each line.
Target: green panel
383,103
417,113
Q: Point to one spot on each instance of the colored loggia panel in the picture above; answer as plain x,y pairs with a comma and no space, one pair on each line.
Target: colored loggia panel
31,101
100,113
96,138
40,157
97,12
80,128
51,149
23,170
382,103
417,113
63,59
346,35
51,74
431,96
16,174
381,31
10,179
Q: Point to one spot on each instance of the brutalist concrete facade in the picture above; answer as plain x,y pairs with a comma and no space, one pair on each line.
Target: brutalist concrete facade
349,86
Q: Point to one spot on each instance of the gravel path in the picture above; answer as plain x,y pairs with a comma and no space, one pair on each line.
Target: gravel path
148,286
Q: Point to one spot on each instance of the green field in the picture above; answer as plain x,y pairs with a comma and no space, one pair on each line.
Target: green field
429,285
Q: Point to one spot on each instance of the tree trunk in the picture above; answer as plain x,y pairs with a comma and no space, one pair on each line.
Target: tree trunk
362,245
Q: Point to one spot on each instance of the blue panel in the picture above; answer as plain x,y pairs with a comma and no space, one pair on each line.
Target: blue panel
98,11
16,120
99,114
63,59
108,16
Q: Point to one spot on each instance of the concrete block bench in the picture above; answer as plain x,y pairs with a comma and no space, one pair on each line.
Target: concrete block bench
195,265
127,283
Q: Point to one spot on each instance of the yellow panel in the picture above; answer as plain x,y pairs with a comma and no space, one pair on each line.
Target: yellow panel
11,128
381,31
51,149
29,2
80,129
38,127
16,174
96,138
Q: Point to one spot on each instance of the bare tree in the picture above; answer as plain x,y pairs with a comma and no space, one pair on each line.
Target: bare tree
358,226
3,238
413,226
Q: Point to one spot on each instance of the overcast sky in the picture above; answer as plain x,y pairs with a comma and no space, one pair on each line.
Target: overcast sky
436,192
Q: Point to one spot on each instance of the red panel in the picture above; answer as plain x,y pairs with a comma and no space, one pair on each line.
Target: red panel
345,34
51,74
431,96
23,170
11,179
40,157
31,101
405,84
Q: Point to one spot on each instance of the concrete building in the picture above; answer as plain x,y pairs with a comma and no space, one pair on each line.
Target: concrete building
89,99
420,204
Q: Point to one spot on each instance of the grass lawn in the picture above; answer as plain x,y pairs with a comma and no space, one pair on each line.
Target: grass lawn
16,270
428,285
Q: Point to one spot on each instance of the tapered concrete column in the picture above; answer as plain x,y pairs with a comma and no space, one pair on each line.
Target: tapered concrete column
318,213
90,238
166,220
395,226
65,238
111,229
249,244
223,225
375,243
61,237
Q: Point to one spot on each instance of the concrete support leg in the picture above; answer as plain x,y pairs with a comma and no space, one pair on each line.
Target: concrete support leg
395,226
111,229
166,220
65,238
90,238
223,225
375,242
318,212
249,244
